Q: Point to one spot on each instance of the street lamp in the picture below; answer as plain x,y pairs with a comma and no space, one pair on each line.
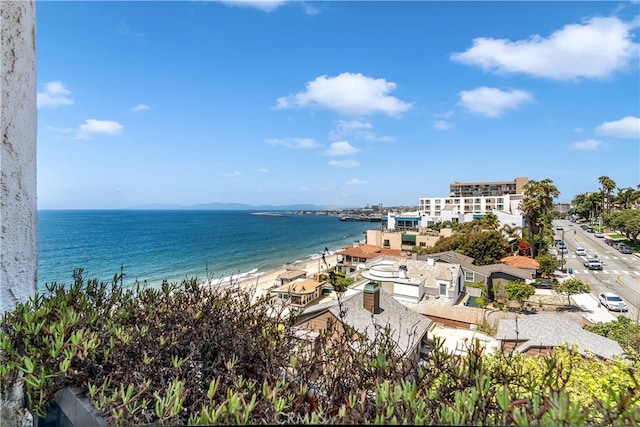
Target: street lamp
564,245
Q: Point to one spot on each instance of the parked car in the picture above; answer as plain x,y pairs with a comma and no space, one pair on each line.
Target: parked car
599,234
544,284
625,249
612,301
563,250
559,227
608,241
617,245
591,230
584,226
580,251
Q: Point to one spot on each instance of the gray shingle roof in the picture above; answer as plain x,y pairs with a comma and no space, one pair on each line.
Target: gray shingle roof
407,327
548,330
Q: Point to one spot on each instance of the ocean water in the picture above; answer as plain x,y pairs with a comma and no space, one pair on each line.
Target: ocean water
156,245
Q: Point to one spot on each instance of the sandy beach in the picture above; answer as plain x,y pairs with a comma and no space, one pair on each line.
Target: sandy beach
263,282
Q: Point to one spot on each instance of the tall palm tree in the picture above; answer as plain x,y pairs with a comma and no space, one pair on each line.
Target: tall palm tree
626,197
536,207
607,185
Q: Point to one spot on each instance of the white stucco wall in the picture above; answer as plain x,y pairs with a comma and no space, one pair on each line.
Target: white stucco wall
18,116
18,204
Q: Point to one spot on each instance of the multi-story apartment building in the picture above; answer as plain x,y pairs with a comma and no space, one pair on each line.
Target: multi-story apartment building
450,208
479,189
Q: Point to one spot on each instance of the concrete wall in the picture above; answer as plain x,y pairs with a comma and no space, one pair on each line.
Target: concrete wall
18,209
18,205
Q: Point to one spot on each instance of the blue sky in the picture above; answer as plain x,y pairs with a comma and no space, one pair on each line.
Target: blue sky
331,103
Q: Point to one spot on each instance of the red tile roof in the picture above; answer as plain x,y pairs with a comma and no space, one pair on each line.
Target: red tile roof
521,262
368,251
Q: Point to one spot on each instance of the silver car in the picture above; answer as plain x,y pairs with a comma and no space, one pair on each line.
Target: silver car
612,301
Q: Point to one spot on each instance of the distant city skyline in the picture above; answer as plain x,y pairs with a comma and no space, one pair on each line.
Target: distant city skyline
330,103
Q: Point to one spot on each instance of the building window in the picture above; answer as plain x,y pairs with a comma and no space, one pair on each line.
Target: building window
385,243
468,276
443,289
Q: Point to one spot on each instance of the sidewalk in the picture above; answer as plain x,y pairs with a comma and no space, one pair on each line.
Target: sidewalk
594,312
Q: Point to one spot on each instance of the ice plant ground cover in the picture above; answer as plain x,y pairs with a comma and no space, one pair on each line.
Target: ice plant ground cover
186,354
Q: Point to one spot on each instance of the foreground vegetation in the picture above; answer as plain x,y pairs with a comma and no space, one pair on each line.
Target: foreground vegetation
192,355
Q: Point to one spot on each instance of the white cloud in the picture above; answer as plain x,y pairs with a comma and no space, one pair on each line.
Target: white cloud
348,128
54,95
344,163
442,125
445,115
627,127
341,148
492,102
263,170
265,5
294,143
596,48
92,127
587,145
356,181
357,129
347,93
140,107
235,176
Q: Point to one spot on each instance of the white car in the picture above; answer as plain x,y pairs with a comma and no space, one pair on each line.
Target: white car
599,234
612,301
580,251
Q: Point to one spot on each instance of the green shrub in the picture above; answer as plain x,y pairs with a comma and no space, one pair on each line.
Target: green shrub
187,354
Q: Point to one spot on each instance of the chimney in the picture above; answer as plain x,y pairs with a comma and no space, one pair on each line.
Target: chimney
371,297
430,261
402,271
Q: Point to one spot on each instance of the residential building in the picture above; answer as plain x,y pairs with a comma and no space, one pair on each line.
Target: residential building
465,209
370,310
539,334
354,258
563,208
498,188
408,280
404,238
290,276
489,276
300,292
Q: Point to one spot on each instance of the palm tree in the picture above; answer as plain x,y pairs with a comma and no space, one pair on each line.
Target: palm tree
491,221
626,197
511,230
607,185
536,207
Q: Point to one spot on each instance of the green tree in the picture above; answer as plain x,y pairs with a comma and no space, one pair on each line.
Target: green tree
571,287
486,247
519,291
626,197
628,222
490,221
548,264
511,230
607,185
536,208
623,331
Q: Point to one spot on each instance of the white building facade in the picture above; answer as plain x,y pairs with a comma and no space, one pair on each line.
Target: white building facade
506,207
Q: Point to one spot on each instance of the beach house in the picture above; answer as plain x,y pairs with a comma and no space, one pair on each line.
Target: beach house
369,310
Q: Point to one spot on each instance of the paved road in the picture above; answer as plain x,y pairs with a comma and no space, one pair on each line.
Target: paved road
620,273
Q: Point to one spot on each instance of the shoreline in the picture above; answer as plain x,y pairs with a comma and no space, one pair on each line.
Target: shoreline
264,281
